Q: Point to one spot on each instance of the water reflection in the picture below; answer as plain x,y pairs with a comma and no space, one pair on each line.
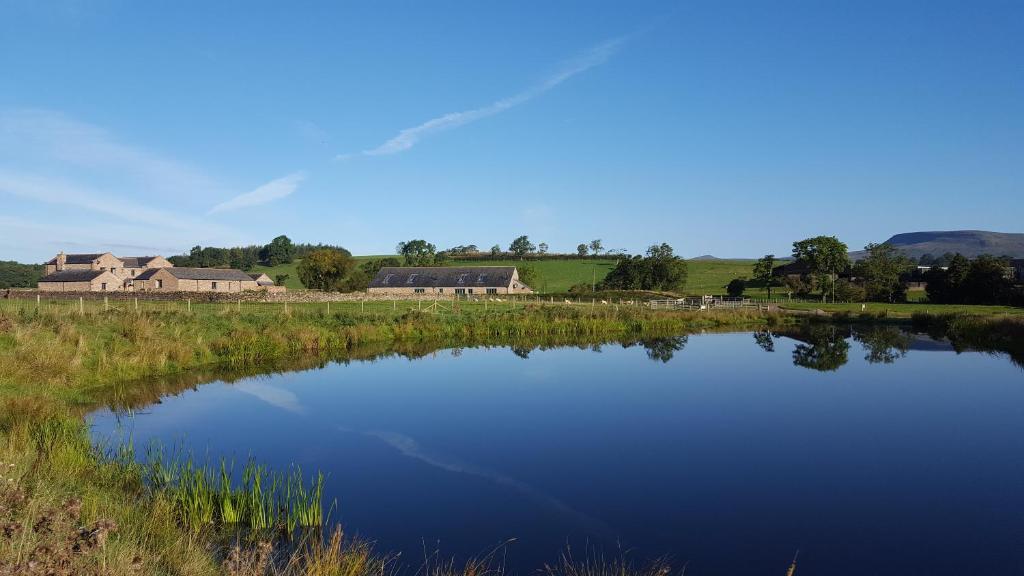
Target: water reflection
826,347
723,455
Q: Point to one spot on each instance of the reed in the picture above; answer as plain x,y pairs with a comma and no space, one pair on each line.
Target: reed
262,503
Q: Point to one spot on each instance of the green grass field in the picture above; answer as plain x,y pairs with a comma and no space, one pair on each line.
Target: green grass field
906,309
706,276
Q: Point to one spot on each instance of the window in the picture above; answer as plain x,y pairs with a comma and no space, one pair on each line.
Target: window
460,290
159,283
419,290
387,278
213,285
462,278
470,290
133,273
113,270
492,290
103,286
440,290
412,278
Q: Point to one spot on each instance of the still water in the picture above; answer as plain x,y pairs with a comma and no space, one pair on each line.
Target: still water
872,453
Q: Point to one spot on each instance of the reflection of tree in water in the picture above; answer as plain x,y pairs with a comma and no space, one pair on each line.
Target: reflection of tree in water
522,351
884,344
664,349
766,340
823,348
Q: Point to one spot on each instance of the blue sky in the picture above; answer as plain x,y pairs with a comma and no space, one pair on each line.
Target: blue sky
722,127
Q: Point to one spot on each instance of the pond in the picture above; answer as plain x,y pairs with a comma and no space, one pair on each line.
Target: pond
872,451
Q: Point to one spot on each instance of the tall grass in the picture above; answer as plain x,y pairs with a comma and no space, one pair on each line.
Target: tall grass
262,502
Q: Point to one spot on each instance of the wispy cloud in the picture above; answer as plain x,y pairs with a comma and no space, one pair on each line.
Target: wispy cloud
409,137
81,184
273,190
74,144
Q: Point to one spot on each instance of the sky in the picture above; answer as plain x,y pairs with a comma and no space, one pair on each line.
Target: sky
720,127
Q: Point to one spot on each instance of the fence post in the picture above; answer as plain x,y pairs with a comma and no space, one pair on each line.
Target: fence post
81,305
136,303
188,304
328,307
362,308
37,302
105,303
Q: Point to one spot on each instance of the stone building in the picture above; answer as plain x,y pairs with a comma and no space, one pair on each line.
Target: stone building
448,280
81,280
125,268
261,279
177,279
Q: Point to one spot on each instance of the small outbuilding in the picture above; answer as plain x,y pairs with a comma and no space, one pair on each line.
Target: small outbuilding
177,279
453,280
261,279
80,281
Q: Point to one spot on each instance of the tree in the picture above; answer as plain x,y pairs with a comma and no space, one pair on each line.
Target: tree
825,255
596,247
763,272
324,269
659,270
521,246
882,272
417,252
495,251
736,287
946,286
371,267
542,248
528,275
280,279
279,251
581,250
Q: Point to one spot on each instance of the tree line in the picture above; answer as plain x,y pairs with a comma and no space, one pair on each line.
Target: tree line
883,274
280,250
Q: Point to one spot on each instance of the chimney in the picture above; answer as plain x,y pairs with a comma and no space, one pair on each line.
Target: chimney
62,259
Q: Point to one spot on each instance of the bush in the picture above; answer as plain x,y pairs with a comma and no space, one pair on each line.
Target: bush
847,291
736,287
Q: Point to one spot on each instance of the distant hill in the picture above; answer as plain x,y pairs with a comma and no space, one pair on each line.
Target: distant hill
706,257
970,243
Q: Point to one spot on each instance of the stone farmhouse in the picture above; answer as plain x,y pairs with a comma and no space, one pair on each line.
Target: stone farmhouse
105,272
448,280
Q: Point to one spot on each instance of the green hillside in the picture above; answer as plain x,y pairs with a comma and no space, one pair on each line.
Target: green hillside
705,276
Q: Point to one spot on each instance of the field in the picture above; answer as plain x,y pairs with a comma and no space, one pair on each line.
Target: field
706,276
907,309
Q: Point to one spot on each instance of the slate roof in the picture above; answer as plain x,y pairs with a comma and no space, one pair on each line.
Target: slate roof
136,261
198,274
72,276
444,277
77,258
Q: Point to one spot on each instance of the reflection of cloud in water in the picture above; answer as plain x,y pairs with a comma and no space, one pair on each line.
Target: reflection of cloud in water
411,448
277,397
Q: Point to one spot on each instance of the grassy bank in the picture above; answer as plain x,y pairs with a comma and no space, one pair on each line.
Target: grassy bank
66,509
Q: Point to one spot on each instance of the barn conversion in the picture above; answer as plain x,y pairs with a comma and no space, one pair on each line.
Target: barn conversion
104,272
80,281
448,280
177,279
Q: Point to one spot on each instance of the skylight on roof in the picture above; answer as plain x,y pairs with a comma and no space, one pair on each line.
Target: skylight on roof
462,278
388,278
412,278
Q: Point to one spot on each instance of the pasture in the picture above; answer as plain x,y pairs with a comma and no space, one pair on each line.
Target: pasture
557,276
